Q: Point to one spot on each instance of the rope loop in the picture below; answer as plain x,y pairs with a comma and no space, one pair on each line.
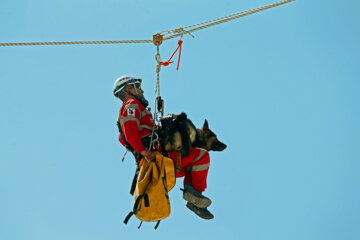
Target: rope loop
180,42
181,31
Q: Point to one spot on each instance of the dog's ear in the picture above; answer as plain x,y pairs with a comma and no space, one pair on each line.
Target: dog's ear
165,121
206,125
182,115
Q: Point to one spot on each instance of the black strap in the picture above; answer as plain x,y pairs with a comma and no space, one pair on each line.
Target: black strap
128,217
138,199
164,181
134,181
140,224
136,206
137,202
160,105
157,224
146,200
127,145
124,156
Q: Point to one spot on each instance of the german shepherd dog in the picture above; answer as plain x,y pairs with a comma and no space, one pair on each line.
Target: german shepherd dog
178,133
207,139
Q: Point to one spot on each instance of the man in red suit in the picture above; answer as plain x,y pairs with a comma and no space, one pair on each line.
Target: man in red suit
136,125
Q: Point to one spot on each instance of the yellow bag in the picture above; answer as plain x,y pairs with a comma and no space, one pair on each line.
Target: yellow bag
155,180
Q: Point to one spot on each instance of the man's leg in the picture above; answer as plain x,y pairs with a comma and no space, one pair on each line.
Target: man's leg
195,167
198,170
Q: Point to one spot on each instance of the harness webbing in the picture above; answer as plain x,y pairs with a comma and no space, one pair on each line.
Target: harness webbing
127,145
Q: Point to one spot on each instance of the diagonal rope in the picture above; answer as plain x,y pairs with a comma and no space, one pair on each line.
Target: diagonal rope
181,31
175,33
241,13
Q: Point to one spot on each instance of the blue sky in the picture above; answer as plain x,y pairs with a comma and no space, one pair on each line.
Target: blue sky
280,88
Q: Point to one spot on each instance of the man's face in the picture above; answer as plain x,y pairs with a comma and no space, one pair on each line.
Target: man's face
138,91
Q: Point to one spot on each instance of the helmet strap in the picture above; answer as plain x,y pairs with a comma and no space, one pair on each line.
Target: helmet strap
135,89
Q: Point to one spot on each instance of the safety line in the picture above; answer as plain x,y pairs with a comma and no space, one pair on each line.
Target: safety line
77,42
181,31
175,32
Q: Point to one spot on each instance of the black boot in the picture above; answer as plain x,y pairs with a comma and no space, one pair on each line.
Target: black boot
201,212
193,196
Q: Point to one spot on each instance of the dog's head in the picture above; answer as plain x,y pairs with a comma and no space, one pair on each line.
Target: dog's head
210,141
174,133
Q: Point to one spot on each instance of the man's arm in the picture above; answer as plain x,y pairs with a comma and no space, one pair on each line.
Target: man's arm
130,121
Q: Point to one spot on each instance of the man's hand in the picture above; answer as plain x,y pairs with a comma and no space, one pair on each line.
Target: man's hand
146,153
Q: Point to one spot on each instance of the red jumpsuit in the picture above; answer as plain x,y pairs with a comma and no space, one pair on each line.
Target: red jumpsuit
136,122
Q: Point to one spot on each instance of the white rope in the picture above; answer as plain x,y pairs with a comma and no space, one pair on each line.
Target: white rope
239,14
158,68
154,140
78,42
181,31
175,32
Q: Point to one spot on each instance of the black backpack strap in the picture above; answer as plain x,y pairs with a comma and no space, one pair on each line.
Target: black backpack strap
138,199
128,217
146,200
157,224
140,224
134,181
136,206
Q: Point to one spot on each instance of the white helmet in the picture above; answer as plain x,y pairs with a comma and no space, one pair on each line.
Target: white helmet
122,82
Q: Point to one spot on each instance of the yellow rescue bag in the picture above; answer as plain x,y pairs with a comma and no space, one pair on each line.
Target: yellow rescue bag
156,178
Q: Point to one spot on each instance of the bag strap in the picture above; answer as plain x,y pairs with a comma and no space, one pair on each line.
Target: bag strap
128,217
157,224
140,224
164,183
134,181
136,206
